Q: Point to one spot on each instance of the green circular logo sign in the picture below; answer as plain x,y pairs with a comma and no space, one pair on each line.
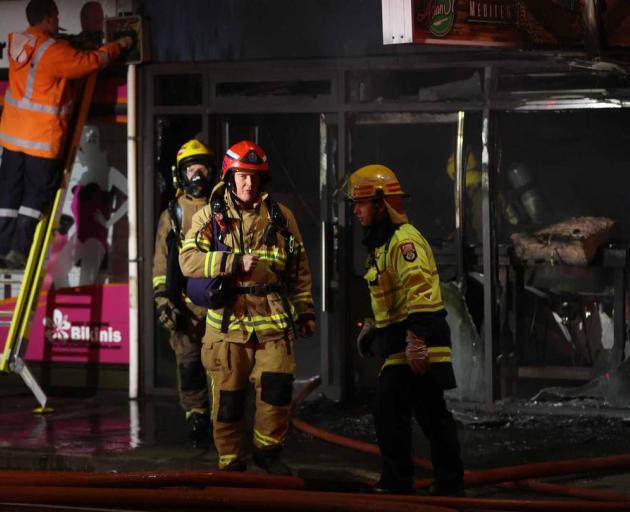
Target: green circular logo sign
442,17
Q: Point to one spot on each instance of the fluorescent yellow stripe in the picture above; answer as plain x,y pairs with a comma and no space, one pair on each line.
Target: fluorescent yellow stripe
433,350
158,280
407,270
440,354
264,440
206,263
189,242
383,322
444,359
226,460
198,410
385,293
271,322
398,358
402,359
302,297
250,326
253,319
265,254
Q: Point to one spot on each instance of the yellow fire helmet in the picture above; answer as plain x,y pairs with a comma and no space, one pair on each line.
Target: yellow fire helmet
473,173
373,181
376,181
192,152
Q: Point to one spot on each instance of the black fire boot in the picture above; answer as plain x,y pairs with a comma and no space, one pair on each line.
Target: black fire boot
269,459
235,466
455,489
400,488
200,429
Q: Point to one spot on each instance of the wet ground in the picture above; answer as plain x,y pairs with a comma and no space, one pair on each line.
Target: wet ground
107,432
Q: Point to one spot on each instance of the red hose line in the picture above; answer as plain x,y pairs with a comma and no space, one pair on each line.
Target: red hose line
543,469
283,500
151,479
511,504
564,490
221,498
354,444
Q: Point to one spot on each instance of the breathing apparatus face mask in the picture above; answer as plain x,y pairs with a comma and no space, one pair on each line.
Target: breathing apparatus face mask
198,185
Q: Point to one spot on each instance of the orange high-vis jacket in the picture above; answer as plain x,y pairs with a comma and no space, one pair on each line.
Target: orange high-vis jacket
38,102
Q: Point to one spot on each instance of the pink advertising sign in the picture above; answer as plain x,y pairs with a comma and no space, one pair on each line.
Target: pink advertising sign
88,324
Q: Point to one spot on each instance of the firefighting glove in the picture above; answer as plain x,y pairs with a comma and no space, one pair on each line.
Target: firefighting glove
168,314
365,339
417,354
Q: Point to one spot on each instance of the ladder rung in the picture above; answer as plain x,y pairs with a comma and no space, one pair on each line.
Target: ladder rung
5,323
6,312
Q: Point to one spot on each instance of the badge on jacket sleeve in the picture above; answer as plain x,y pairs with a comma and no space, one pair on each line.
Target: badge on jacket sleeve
409,251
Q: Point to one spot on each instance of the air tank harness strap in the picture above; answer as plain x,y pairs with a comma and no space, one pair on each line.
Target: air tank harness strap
260,290
280,224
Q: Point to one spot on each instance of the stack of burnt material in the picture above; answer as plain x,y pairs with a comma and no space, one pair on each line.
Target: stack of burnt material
572,242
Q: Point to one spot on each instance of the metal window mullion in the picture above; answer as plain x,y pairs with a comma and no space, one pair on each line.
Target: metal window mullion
460,177
489,246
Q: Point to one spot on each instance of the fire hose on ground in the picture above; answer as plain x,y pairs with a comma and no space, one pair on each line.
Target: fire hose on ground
275,499
230,490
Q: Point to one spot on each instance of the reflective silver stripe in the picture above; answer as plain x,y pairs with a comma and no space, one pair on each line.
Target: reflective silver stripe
29,144
29,212
36,107
31,74
105,56
7,212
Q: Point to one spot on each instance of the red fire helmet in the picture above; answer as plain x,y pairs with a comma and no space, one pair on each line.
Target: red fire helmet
245,156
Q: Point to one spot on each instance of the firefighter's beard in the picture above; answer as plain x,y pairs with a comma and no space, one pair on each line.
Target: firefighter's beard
378,232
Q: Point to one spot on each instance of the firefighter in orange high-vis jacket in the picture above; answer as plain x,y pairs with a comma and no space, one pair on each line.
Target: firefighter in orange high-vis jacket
37,106
193,177
253,246
410,333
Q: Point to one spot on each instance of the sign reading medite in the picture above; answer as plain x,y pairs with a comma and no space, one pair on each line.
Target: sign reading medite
466,22
491,11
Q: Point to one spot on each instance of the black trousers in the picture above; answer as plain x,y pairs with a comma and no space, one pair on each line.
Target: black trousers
400,395
27,189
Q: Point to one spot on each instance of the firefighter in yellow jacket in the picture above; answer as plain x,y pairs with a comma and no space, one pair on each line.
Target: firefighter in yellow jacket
37,107
410,332
193,176
252,244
